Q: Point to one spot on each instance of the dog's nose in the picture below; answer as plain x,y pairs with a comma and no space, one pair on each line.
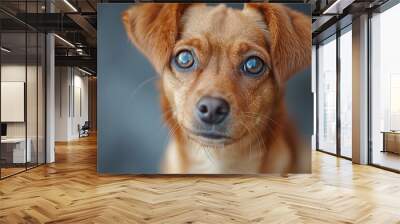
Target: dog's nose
212,110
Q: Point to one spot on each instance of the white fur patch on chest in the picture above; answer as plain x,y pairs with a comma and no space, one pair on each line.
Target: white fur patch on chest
222,160
203,160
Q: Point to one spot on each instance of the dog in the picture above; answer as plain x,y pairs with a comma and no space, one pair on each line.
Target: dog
222,82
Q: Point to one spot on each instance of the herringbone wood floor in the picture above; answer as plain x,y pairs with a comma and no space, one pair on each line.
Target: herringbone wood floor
70,191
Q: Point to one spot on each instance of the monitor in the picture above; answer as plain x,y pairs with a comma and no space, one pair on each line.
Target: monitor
3,129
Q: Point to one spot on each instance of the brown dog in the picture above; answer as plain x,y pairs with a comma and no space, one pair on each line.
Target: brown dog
223,73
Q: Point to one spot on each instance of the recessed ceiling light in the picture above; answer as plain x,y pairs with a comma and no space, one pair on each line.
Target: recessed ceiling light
337,7
65,41
70,5
5,50
84,71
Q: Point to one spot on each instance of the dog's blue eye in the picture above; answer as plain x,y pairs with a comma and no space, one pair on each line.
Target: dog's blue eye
184,59
253,66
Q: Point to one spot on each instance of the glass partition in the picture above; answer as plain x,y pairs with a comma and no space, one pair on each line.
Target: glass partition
31,100
22,101
14,153
327,95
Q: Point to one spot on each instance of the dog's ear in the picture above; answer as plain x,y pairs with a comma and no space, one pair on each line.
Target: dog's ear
289,37
154,28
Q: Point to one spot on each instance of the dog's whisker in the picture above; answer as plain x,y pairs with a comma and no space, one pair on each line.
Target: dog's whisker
171,133
208,155
262,143
259,115
268,125
255,115
258,120
259,138
170,129
249,132
141,85
243,94
165,123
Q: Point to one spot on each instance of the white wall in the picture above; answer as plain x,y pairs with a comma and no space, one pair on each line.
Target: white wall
16,73
81,108
70,83
62,82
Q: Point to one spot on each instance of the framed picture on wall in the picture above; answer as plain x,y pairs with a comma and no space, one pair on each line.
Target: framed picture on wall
204,88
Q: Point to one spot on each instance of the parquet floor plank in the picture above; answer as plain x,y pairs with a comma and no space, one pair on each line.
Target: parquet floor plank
70,191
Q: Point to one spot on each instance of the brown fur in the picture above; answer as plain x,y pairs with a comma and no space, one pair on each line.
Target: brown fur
221,38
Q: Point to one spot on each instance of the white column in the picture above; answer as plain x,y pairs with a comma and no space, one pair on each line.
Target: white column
360,90
50,93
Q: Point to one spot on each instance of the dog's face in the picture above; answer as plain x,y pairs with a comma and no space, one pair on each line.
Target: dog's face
217,66
219,77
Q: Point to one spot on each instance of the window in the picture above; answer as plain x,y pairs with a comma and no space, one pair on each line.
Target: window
346,95
327,95
314,91
385,89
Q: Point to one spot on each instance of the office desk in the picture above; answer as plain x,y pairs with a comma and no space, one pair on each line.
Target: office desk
13,150
391,141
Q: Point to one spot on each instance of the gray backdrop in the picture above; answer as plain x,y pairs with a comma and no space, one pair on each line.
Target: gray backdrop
131,134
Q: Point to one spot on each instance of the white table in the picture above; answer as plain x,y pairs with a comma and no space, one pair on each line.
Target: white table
19,155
